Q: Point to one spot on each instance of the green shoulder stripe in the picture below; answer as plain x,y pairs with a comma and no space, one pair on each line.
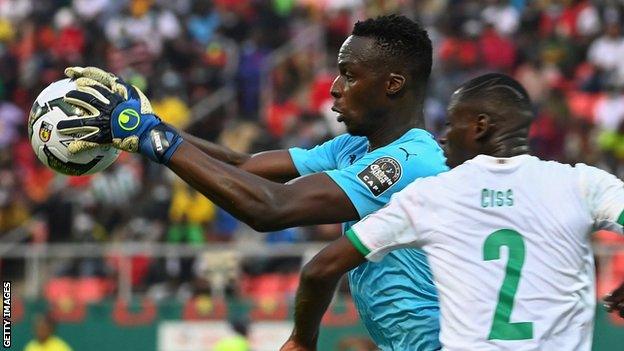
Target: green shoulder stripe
621,218
352,236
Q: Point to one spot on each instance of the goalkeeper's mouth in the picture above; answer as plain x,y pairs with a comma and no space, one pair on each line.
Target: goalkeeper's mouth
340,117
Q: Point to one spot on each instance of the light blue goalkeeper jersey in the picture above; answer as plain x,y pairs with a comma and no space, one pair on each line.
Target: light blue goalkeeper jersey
396,298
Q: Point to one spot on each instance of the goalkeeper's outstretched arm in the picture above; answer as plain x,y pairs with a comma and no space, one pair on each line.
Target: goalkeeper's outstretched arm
121,115
263,204
276,165
272,165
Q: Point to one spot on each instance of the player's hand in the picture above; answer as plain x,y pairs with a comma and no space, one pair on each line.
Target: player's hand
93,76
292,345
111,82
111,119
614,302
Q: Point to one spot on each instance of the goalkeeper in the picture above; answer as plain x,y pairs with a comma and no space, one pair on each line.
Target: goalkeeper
384,68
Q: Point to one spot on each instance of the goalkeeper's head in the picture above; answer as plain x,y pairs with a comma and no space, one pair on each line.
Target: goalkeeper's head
384,68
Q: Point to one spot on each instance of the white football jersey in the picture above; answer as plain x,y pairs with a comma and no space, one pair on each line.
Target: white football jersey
508,241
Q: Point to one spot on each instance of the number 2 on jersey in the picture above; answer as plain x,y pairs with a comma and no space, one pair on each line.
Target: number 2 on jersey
502,327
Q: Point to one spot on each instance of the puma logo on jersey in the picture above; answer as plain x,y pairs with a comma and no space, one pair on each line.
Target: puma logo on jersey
407,154
351,159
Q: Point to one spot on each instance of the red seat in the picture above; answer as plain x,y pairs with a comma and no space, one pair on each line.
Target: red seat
57,288
269,285
583,104
91,289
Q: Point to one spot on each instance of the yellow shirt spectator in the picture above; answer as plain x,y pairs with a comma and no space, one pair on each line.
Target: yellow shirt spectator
173,110
52,343
45,340
235,343
189,204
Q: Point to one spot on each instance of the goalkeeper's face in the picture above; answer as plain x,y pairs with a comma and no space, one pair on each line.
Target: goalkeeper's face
360,90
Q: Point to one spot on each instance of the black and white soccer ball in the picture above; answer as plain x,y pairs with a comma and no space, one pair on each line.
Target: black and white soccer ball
51,146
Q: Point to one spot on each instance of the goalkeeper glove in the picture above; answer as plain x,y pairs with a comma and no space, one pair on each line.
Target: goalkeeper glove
93,76
114,119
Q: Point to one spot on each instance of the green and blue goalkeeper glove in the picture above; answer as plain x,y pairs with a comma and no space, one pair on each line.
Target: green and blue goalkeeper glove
117,114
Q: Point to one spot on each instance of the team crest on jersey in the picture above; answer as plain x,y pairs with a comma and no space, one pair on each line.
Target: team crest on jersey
45,131
379,176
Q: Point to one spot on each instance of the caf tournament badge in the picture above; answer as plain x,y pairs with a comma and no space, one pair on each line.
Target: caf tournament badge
45,131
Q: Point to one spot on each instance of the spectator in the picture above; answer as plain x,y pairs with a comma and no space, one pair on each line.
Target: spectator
503,16
45,340
606,54
238,342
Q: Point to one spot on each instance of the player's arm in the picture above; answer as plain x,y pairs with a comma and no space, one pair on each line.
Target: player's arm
126,122
603,194
318,282
274,165
264,205
614,302
373,237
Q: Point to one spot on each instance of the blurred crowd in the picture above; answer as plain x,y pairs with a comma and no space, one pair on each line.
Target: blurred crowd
255,75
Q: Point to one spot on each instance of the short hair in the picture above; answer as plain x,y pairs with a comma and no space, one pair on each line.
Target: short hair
47,319
402,42
498,92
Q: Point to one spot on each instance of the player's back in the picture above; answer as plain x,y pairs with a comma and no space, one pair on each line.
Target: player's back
508,241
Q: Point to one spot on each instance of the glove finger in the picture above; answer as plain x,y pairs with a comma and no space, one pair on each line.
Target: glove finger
82,126
120,88
74,72
77,146
105,95
108,79
94,73
88,99
129,144
111,96
71,126
84,81
146,106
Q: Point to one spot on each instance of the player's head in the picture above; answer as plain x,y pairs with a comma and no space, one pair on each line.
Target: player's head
491,115
240,326
44,327
384,66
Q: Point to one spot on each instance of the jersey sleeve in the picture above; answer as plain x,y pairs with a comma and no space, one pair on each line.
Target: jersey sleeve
603,195
370,182
387,229
318,159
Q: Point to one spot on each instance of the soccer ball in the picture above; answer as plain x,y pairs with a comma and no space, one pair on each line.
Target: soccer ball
51,146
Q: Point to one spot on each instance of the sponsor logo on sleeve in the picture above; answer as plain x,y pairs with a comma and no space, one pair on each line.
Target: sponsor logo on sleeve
379,176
